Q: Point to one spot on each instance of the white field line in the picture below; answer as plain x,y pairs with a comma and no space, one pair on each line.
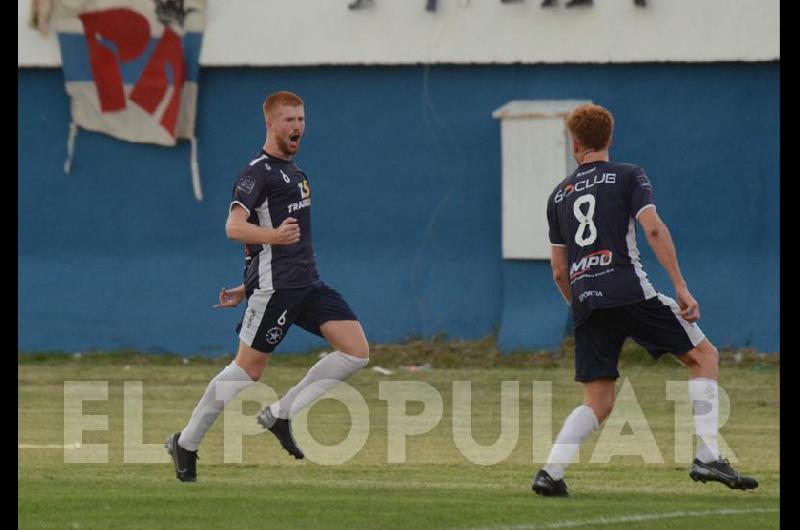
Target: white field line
48,446
626,519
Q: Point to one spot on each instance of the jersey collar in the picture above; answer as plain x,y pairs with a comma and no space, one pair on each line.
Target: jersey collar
263,152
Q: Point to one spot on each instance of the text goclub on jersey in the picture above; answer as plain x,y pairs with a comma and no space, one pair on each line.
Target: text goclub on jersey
593,213
272,189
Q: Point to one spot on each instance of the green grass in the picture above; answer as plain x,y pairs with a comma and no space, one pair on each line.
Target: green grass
436,488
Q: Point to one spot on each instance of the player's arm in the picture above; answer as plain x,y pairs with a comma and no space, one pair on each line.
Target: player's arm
559,253
660,240
558,262
238,229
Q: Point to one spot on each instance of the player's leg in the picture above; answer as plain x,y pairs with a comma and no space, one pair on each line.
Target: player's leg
329,316
221,390
708,465
259,334
598,342
351,353
226,385
597,404
658,326
703,364
252,361
346,336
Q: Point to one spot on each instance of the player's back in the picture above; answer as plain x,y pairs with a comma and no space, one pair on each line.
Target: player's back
592,213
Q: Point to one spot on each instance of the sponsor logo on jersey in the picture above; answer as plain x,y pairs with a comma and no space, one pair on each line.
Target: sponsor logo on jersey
305,191
601,258
305,194
585,184
246,184
586,294
305,203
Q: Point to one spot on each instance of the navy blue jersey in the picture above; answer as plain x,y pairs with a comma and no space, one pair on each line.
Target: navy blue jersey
271,189
593,213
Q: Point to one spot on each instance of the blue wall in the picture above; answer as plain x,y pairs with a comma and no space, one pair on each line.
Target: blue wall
404,163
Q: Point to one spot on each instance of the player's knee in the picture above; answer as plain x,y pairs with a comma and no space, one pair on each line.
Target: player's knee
254,372
253,365
359,349
704,359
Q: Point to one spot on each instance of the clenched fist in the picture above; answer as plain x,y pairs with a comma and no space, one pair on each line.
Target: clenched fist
288,233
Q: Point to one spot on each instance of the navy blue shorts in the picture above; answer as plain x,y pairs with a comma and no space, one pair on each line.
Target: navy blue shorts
270,314
655,324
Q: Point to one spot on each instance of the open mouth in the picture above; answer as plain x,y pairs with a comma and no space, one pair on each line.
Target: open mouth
294,138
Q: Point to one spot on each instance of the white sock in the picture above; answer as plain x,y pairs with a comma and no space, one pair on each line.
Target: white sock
705,408
321,377
234,379
577,427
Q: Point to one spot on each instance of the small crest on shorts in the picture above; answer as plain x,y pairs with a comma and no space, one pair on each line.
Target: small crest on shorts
246,184
274,335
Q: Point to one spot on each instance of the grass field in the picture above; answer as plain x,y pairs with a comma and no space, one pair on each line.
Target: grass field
437,487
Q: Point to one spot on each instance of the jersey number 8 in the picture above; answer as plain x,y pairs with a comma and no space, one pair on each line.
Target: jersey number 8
586,220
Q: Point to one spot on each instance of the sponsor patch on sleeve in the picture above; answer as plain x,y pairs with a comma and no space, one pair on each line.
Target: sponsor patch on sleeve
246,184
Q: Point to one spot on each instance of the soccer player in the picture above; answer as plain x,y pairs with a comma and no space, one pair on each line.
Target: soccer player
596,266
271,214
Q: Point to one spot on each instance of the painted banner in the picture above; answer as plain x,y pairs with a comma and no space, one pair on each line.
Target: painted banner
131,68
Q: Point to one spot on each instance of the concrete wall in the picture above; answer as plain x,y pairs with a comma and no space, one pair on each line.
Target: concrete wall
405,166
314,32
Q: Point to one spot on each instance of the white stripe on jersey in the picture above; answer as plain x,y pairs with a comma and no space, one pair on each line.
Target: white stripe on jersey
691,328
265,256
257,160
633,254
643,208
240,204
256,306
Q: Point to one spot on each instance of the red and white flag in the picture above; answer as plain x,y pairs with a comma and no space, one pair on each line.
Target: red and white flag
131,69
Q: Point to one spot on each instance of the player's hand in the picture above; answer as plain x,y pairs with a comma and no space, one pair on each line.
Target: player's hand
690,309
288,233
231,297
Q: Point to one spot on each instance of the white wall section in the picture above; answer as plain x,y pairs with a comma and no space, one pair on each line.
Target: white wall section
314,32
537,155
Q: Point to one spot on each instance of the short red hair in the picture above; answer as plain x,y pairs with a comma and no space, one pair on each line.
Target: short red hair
591,125
278,99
